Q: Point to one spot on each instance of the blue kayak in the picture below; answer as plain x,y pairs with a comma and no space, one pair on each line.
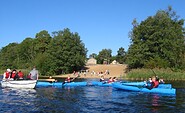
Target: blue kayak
59,84
96,83
139,84
143,89
144,84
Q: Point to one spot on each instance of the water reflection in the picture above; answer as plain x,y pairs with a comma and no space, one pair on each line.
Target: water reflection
16,99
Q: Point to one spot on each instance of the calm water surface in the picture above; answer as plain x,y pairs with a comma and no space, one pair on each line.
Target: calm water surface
90,99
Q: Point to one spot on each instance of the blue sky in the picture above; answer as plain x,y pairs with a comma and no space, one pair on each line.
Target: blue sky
101,24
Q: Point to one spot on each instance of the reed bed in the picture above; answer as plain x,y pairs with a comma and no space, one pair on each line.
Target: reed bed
166,74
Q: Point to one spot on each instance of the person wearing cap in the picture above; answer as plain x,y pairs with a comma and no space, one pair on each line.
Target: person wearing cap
7,74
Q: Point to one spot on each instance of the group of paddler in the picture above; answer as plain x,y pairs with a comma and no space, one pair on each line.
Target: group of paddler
153,82
110,80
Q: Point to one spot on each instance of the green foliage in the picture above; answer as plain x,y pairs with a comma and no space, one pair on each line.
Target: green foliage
93,55
104,56
42,41
121,55
64,52
157,42
68,52
8,56
166,74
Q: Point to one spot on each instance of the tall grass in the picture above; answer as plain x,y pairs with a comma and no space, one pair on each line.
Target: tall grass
166,74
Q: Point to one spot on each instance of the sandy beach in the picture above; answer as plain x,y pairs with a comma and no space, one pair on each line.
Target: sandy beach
95,71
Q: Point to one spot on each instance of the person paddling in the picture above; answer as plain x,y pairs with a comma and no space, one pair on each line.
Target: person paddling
102,79
154,83
68,80
110,80
115,79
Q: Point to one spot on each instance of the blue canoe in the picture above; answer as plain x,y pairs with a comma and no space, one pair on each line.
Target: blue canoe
96,83
59,84
167,86
171,91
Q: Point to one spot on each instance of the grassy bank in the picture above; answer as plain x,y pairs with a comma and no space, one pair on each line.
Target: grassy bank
166,74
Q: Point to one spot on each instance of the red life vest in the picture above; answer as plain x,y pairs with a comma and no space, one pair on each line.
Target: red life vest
110,81
13,75
20,74
68,79
7,75
156,83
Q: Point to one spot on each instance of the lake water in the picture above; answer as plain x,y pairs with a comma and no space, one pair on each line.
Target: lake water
90,99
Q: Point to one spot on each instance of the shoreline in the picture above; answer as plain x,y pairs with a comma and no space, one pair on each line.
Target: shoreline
82,76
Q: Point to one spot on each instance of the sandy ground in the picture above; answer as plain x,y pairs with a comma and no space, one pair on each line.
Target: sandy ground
93,71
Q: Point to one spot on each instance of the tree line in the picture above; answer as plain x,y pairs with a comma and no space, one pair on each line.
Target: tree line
60,53
157,42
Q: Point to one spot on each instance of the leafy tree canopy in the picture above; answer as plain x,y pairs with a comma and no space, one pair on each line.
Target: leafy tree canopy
157,41
64,52
104,56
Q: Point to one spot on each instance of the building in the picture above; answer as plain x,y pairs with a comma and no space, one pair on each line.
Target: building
91,61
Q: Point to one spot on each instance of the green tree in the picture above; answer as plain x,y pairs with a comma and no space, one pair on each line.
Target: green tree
120,57
42,41
8,56
93,55
67,52
26,52
157,42
104,56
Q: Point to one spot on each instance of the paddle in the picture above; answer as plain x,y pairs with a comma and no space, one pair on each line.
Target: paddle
75,78
154,72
